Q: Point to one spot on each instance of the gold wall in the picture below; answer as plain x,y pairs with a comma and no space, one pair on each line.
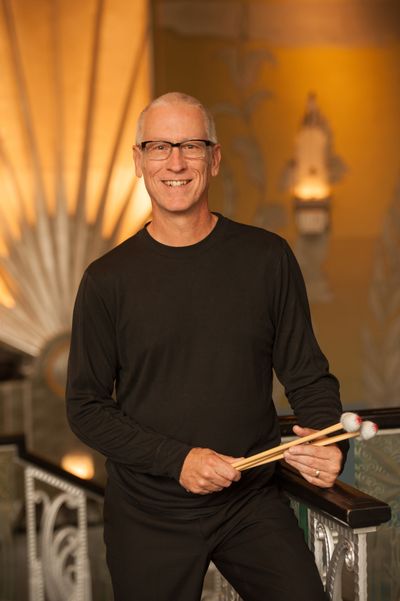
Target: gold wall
254,63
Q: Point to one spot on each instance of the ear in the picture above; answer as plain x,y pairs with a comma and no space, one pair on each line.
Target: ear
137,159
215,159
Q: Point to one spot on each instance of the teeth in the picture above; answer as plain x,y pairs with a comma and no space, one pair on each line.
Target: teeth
176,182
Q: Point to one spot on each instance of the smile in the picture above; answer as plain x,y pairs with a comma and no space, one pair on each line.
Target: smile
173,183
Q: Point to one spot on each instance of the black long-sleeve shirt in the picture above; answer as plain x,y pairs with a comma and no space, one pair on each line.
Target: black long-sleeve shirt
189,337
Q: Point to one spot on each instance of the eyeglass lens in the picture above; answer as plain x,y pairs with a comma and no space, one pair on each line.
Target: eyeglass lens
191,149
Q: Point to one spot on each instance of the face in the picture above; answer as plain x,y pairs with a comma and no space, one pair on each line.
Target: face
176,184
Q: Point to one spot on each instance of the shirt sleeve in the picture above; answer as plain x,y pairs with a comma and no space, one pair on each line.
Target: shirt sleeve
312,391
94,416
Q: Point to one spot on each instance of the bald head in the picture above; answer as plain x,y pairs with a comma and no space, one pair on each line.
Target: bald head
172,98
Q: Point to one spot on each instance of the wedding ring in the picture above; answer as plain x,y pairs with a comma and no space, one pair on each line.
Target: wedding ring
317,473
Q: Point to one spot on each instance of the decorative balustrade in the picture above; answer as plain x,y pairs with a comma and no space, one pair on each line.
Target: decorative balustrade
56,508
339,520
335,547
58,561
56,502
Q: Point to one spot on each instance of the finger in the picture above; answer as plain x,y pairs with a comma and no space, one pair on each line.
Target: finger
224,468
201,487
205,487
317,481
303,466
219,482
229,458
216,479
310,463
216,475
321,458
308,450
315,472
220,479
300,431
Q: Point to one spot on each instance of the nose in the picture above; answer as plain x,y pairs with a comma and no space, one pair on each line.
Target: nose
176,160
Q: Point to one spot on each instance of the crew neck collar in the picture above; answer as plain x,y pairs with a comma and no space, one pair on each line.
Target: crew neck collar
190,249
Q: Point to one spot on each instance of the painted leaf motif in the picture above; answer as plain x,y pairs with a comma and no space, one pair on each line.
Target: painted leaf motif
255,99
271,216
250,152
382,352
250,65
226,108
244,67
229,191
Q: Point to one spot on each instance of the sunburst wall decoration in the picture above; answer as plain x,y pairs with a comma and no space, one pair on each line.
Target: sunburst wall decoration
74,77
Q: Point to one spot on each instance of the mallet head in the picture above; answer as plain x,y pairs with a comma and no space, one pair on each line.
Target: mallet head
351,422
368,430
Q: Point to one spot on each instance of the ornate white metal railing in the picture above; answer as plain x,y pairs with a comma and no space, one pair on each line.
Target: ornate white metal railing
339,520
336,547
58,561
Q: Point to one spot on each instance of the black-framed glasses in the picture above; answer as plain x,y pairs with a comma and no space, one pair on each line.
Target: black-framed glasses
159,150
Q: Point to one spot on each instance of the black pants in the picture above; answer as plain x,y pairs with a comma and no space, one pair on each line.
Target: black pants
255,543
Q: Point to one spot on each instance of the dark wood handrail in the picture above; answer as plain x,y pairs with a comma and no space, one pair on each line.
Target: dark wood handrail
18,441
342,501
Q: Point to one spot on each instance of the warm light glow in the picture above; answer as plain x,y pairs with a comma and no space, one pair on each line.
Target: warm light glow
311,189
310,168
67,181
139,210
9,212
6,298
80,465
126,184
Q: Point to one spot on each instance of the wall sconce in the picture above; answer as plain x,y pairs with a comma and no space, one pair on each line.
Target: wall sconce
312,216
309,176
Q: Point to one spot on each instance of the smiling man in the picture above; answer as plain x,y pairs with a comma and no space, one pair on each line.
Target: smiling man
187,319
177,176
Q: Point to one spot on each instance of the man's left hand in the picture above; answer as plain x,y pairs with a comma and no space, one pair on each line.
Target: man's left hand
318,465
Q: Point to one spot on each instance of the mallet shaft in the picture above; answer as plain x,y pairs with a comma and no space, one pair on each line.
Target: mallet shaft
279,455
241,463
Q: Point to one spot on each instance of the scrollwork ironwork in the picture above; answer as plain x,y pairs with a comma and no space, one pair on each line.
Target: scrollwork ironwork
58,557
342,546
335,545
323,548
343,554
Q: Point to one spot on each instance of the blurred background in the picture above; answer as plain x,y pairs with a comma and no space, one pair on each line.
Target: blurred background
306,97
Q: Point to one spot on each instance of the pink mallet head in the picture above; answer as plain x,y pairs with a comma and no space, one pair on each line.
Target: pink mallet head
368,430
351,422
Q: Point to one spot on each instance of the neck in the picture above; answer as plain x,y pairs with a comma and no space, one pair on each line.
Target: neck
182,229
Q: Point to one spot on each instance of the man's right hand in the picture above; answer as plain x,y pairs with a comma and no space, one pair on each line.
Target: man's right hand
205,471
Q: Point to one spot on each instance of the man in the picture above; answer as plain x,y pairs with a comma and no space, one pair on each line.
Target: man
187,319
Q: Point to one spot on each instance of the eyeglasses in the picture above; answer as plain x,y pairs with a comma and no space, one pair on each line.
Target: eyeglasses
159,150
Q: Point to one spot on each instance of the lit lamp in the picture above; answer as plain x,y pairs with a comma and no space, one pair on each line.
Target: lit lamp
312,213
79,464
309,176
